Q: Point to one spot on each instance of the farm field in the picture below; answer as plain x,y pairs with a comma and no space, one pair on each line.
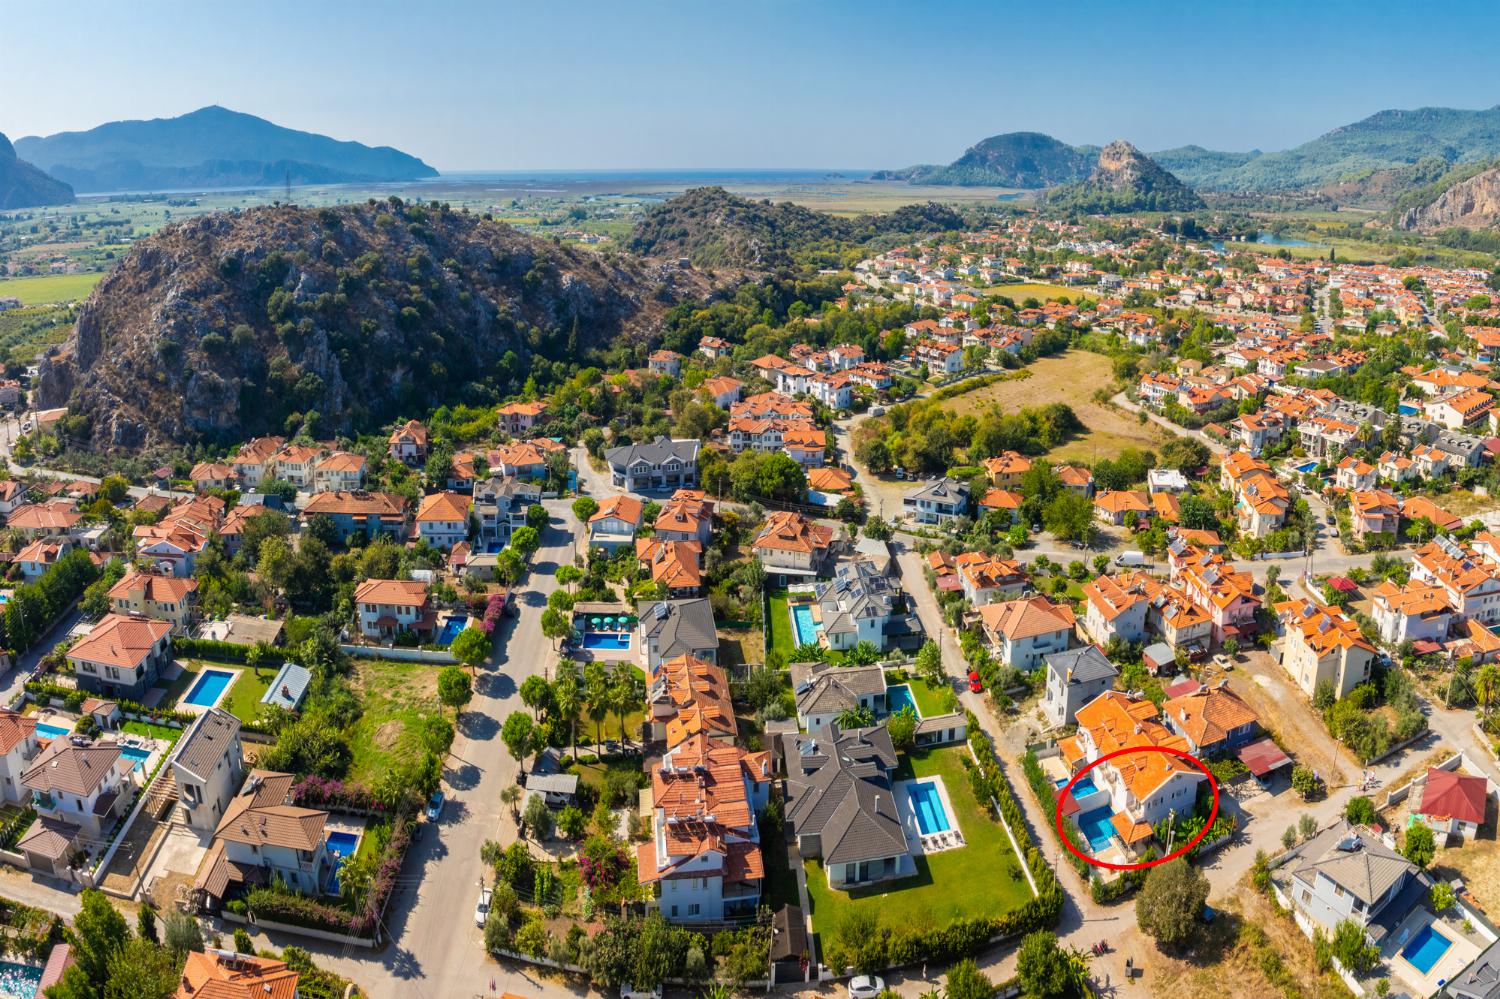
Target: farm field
50,288
1044,292
1069,378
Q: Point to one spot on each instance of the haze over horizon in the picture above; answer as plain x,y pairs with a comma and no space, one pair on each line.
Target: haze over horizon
473,87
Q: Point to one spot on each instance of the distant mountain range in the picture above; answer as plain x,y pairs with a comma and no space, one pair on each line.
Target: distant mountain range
211,147
22,185
1378,152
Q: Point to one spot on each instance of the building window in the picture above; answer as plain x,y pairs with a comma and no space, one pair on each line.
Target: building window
693,909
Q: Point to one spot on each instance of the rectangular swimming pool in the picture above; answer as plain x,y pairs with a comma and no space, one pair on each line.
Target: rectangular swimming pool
340,845
45,731
804,628
898,699
1425,948
619,642
136,754
18,981
208,688
1097,828
927,804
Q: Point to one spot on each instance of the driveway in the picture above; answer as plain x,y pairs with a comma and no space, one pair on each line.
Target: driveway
435,949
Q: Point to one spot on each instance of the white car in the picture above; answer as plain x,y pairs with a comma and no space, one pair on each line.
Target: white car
628,992
482,910
866,986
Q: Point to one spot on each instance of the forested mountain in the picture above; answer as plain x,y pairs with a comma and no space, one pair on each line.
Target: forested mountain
1193,165
24,186
1467,197
1015,159
714,228
1382,141
335,320
210,147
1125,180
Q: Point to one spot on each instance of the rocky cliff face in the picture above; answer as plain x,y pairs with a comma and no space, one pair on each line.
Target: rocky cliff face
341,319
24,186
1127,180
1470,204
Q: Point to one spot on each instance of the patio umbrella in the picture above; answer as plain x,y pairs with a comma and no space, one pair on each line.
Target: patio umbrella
594,621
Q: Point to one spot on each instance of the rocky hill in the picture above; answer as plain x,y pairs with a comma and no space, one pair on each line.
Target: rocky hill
24,186
1126,180
1014,159
236,324
210,147
1465,202
714,228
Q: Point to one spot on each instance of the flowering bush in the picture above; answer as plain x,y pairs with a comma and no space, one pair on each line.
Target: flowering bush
602,863
313,791
493,608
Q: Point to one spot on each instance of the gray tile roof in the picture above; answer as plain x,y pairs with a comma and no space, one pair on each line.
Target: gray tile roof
1082,665
823,688
658,452
859,591
675,627
287,688
1355,860
1481,979
206,742
839,789
943,490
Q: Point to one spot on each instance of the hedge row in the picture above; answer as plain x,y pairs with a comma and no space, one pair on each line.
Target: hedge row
224,652
73,699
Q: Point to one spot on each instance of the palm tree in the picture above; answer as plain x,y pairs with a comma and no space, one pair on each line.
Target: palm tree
596,686
569,697
510,795
626,693
1486,686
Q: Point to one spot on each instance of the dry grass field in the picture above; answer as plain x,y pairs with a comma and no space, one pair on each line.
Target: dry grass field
1069,378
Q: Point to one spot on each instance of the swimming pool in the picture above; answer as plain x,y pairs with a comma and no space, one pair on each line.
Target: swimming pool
1408,410
619,642
340,845
140,756
208,688
804,628
45,731
18,981
1097,828
1305,467
898,699
927,805
1082,789
1425,948
452,625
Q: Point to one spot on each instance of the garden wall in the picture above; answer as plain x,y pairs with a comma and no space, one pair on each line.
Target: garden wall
400,655
368,943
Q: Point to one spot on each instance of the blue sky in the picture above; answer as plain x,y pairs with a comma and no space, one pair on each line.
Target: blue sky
575,84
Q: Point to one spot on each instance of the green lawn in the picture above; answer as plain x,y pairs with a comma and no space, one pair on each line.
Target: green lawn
150,731
781,624
179,686
399,700
974,880
243,699
930,700
50,288
780,885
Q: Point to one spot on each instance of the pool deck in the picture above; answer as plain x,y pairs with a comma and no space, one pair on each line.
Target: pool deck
916,841
1460,953
198,709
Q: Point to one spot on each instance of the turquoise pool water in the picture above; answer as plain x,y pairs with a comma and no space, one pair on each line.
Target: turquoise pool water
804,628
927,804
606,640
1096,828
1425,948
1083,788
452,625
898,698
46,731
209,687
18,981
139,756
340,845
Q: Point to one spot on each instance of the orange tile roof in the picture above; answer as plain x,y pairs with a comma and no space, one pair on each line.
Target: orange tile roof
1210,714
444,506
791,532
626,508
120,640
398,592
1027,618
158,588
222,975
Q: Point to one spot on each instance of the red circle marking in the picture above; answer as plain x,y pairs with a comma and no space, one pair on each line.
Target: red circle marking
1057,815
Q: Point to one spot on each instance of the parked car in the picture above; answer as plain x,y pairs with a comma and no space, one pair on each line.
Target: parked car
1223,662
434,806
630,992
482,910
866,986
975,684
1130,559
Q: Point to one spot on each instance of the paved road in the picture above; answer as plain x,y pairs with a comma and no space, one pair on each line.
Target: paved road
436,950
